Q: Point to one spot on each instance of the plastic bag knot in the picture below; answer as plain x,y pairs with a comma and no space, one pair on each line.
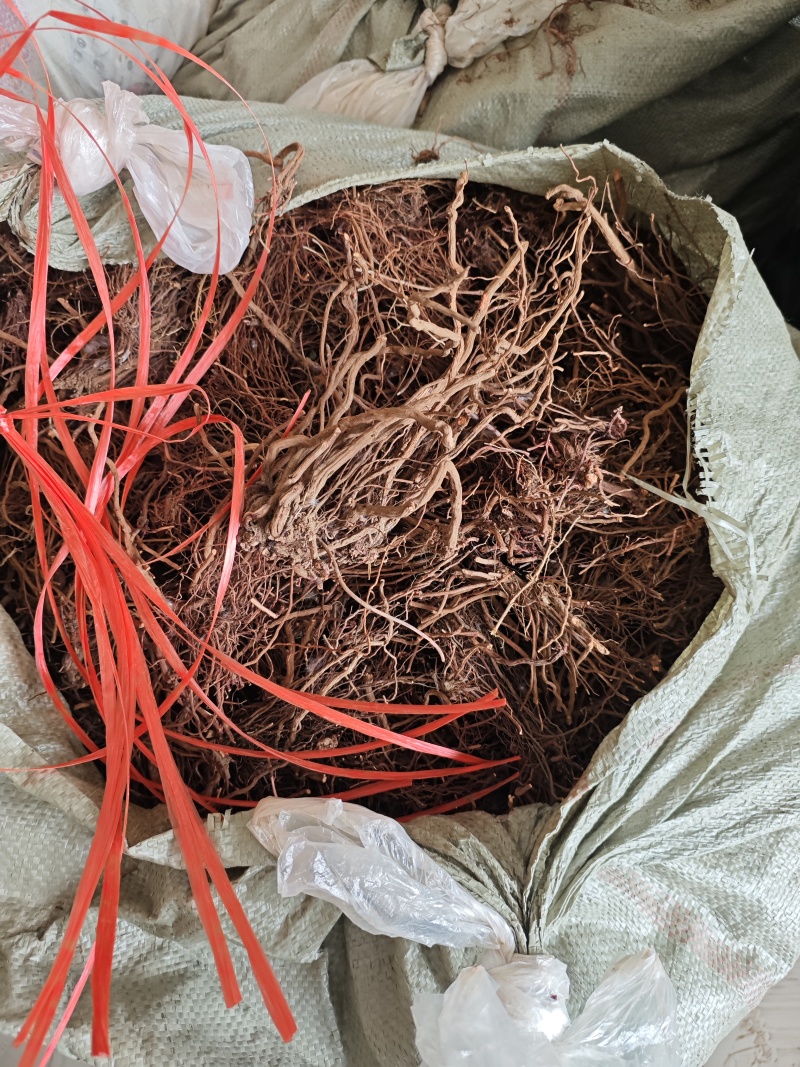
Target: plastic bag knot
195,204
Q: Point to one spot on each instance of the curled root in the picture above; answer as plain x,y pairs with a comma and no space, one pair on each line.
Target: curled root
449,512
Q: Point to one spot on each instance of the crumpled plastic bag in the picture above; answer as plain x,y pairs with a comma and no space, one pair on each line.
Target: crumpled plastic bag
95,145
629,1019
360,89
509,1011
368,866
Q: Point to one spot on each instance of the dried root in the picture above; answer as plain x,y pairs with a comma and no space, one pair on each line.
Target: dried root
450,512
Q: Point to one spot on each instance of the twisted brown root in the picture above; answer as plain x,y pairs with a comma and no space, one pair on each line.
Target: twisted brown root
450,513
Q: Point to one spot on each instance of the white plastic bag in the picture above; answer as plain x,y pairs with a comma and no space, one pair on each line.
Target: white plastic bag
369,867
94,144
468,1027
628,1020
511,1011
79,62
478,26
360,90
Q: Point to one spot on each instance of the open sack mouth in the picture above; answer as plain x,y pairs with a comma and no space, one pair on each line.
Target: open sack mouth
448,395
625,858
416,494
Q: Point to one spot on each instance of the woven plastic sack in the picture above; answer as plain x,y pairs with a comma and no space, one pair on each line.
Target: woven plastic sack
684,833
705,91
79,62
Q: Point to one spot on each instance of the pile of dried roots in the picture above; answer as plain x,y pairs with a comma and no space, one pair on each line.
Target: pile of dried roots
472,374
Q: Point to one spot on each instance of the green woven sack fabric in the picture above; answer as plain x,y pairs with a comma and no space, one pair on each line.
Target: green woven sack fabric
684,833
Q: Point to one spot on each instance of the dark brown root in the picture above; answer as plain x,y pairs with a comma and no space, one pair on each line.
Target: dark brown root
449,515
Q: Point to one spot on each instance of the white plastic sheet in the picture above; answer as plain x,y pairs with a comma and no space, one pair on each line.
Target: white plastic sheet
511,1011
210,207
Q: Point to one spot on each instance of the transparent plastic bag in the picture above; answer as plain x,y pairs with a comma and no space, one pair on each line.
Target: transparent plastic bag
95,144
510,1011
159,168
534,990
368,866
19,128
628,1020
467,1026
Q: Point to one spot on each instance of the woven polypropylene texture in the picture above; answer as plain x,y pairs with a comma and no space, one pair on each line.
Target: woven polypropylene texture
705,91
684,833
